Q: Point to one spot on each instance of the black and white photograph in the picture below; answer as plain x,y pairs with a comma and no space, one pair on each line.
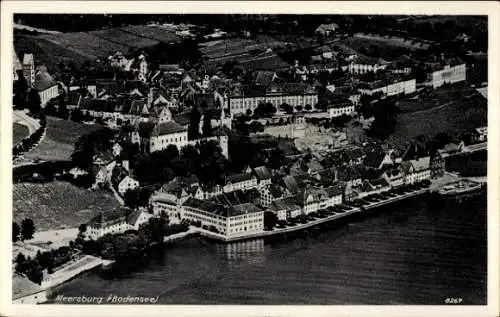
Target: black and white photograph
248,158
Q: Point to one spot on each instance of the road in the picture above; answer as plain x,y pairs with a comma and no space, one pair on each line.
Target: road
22,118
477,147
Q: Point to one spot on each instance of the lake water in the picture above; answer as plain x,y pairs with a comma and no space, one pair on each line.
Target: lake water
412,252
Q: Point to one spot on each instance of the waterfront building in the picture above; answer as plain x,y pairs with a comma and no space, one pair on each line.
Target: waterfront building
285,208
437,165
247,98
394,176
236,220
445,71
416,170
25,291
111,222
270,193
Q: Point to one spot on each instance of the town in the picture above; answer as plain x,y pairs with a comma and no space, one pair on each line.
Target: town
167,129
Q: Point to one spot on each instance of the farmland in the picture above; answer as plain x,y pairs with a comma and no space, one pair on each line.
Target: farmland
152,32
59,140
19,132
58,205
124,38
455,117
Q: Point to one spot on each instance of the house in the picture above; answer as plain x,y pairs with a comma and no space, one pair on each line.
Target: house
262,174
241,181
117,149
335,194
156,137
388,86
25,291
376,158
46,87
285,208
364,64
437,165
480,134
126,184
270,193
416,170
110,222
136,218
394,176
326,29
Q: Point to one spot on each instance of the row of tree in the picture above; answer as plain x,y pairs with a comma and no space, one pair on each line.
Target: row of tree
28,142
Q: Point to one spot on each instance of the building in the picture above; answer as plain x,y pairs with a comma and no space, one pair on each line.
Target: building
241,181
126,184
340,107
110,222
29,69
155,137
394,177
447,71
416,170
364,64
294,94
388,87
46,87
326,29
480,134
137,218
25,291
437,165
452,149
270,193
16,65
237,220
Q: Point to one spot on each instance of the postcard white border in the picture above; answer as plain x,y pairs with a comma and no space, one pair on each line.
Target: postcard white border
490,8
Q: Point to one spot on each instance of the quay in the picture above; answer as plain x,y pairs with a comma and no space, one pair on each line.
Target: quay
278,231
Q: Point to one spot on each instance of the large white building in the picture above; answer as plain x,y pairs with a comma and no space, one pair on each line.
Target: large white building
417,170
448,71
389,87
46,87
236,220
293,94
341,107
108,222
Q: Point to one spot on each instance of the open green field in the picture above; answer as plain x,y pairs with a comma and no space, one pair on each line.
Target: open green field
59,140
123,38
152,32
19,132
58,205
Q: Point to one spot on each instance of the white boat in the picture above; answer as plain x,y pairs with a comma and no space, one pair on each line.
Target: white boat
460,187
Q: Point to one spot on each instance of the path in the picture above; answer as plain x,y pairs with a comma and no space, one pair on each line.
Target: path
22,118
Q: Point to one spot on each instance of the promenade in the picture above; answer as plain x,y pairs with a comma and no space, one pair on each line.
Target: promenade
277,231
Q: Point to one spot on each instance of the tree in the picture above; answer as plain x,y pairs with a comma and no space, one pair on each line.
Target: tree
286,108
249,112
15,232
207,125
298,108
82,228
270,219
194,123
27,229
20,258
34,102
308,107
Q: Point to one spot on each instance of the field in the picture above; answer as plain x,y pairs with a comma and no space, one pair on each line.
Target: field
152,32
454,118
59,140
435,98
58,205
19,132
46,52
124,38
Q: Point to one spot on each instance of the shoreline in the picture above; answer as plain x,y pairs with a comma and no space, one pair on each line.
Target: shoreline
353,210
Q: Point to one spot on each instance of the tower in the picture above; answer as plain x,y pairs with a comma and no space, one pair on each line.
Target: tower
29,69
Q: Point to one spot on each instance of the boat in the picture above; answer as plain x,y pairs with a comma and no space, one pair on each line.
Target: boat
459,188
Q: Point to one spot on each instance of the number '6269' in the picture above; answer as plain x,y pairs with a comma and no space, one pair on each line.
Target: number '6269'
453,300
